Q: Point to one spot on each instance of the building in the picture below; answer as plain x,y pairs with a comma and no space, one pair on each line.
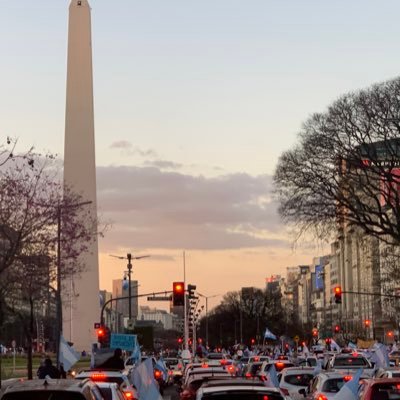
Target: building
168,321
120,288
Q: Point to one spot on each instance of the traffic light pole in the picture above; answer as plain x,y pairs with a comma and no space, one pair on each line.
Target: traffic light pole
393,296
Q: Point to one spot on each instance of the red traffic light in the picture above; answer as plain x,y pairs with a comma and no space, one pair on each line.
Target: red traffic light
100,332
178,293
338,295
367,323
337,328
315,332
253,341
180,340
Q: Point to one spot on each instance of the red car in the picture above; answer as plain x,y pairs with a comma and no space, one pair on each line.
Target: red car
380,389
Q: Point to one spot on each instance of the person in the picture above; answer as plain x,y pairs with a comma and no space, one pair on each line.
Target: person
114,362
48,369
63,373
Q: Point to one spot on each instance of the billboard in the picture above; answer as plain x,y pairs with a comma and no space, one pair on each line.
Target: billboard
319,277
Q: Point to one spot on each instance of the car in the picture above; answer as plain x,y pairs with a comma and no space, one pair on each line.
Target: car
112,391
307,362
351,362
326,384
394,357
253,359
115,376
52,389
379,389
204,371
251,370
237,389
390,372
279,366
294,379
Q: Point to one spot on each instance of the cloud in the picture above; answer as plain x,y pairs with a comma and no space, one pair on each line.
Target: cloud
163,164
127,149
154,208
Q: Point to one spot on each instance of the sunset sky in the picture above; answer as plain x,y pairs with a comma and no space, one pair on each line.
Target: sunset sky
194,102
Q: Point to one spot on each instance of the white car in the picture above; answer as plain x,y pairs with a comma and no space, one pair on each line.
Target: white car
99,375
111,391
294,379
351,363
238,389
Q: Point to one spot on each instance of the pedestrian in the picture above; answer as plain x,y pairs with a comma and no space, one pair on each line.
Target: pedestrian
48,370
114,362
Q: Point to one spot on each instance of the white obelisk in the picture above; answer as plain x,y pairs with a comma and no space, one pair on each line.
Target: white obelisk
82,309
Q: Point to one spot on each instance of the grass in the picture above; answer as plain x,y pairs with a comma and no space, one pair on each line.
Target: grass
7,365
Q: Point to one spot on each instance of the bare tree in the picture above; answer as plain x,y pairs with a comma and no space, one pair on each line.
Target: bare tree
345,169
38,217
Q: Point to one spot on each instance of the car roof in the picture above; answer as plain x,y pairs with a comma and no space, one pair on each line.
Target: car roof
50,384
225,388
231,381
297,370
107,372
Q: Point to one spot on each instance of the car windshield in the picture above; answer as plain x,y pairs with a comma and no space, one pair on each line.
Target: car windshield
298,379
241,395
215,356
350,362
169,363
106,393
43,395
254,368
333,385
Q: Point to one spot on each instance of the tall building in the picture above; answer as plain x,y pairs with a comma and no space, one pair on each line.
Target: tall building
120,288
81,305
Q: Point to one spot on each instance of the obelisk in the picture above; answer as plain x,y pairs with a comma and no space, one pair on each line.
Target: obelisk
81,306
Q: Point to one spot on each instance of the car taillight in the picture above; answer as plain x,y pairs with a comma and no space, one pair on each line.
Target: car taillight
347,378
256,359
223,362
98,377
157,374
285,391
231,369
263,378
204,365
265,397
247,375
321,397
128,395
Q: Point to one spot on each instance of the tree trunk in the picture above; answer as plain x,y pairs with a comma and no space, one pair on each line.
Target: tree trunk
29,338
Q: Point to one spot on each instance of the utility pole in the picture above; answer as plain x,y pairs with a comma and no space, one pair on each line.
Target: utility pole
207,297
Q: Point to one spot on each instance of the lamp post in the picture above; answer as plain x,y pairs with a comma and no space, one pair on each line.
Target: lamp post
207,297
129,257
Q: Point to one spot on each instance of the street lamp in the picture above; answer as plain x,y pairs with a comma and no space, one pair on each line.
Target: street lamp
129,257
207,297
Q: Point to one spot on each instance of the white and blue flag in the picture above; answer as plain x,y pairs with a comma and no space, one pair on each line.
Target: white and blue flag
269,335
349,390
335,346
67,355
380,356
272,377
143,379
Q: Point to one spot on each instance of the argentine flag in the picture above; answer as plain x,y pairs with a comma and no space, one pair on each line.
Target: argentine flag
269,335
67,355
272,377
349,390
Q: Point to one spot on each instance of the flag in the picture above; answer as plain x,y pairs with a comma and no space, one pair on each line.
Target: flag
67,355
160,365
394,348
349,390
352,346
335,346
318,368
269,335
143,379
272,377
380,357
305,350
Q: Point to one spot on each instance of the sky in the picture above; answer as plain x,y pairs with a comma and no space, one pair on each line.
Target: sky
194,103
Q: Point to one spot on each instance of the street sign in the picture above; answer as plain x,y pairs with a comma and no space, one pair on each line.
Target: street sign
160,298
123,342
296,338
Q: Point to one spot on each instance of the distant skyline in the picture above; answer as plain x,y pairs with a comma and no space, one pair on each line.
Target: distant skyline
194,103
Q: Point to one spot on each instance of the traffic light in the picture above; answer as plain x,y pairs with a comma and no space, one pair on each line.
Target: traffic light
337,328
315,332
328,340
367,323
180,340
178,294
191,289
338,295
253,341
101,333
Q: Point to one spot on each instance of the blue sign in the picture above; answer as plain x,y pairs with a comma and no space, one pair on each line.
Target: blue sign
123,342
319,277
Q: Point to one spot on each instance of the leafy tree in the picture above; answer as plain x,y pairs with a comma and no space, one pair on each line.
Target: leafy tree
345,169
